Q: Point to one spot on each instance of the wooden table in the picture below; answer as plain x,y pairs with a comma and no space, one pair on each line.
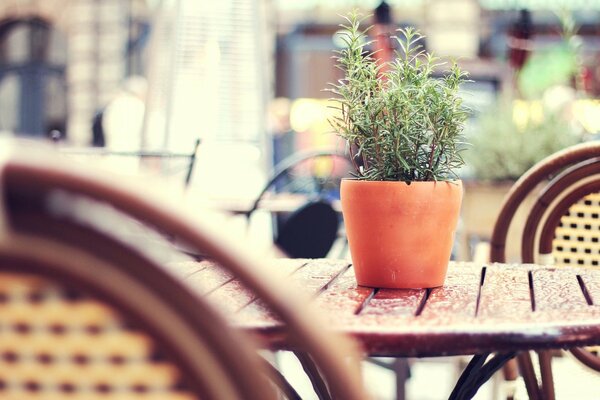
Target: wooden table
481,309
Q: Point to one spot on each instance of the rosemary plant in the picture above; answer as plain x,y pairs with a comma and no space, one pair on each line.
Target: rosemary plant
400,122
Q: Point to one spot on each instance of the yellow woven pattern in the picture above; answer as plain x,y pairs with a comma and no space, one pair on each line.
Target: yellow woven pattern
57,344
577,239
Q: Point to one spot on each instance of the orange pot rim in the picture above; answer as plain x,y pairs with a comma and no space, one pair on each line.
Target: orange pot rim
419,183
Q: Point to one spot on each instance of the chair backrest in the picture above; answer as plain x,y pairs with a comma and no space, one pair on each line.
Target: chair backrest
90,313
311,230
184,162
563,225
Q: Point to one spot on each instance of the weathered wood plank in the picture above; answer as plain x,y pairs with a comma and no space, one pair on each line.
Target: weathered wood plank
457,299
591,279
289,265
557,289
185,268
312,278
385,324
316,275
233,296
343,298
396,302
209,278
505,293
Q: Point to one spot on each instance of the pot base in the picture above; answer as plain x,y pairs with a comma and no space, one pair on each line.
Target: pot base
400,284
400,236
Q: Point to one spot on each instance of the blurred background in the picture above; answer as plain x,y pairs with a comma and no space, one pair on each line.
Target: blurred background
247,79
247,76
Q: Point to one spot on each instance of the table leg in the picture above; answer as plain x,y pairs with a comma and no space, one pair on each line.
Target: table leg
477,372
401,369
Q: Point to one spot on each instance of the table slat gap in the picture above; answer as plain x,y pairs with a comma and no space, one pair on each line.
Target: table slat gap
215,288
247,304
232,296
333,280
423,302
505,294
344,297
210,278
194,272
391,303
317,275
285,263
291,265
557,289
584,290
365,303
312,278
531,289
188,274
481,282
187,268
299,268
457,299
591,280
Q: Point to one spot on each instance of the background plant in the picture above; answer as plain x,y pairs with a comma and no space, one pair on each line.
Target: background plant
503,149
402,124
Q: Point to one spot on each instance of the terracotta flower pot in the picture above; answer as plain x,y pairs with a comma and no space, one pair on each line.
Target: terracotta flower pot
400,235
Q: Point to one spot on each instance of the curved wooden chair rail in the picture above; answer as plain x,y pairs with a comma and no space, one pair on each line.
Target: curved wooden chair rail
566,178
45,228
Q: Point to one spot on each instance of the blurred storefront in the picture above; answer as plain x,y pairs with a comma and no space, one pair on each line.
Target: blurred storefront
248,77
60,61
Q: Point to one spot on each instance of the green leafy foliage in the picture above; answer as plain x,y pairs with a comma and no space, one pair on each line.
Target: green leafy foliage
503,150
400,122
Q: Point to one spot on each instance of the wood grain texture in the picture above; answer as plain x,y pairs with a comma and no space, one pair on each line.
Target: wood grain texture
208,278
457,299
311,277
315,275
505,293
557,289
591,280
462,317
233,296
186,268
394,302
343,297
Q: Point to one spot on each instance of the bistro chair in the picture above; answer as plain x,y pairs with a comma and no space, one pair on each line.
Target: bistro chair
87,314
561,228
310,230
171,163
